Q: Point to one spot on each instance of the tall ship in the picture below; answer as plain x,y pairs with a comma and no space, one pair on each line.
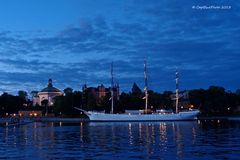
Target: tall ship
142,115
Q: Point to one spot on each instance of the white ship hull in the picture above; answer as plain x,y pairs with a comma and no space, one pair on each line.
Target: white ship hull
98,116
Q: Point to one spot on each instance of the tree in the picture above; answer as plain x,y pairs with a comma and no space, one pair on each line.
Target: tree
91,101
64,105
9,104
45,104
22,97
154,99
167,102
216,100
22,94
77,99
238,92
59,105
68,90
34,93
136,90
105,103
124,101
197,98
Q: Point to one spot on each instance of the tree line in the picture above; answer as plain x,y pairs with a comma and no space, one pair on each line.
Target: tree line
214,101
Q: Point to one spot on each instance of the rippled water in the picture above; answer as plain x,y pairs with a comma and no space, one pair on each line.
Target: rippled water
155,140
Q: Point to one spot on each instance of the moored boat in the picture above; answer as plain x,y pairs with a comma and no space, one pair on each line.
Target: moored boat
142,115
100,116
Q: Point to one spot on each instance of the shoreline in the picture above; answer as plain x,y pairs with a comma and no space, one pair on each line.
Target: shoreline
58,119
76,120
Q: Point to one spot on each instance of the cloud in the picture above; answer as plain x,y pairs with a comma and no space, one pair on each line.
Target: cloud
203,44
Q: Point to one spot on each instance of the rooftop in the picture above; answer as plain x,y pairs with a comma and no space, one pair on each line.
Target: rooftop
50,87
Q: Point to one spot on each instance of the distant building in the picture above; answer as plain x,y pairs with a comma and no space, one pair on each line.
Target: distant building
47,93
101,91
183,99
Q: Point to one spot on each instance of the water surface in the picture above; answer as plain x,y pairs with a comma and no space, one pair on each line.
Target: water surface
148,140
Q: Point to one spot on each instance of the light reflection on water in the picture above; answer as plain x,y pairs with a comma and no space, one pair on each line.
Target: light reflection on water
138,140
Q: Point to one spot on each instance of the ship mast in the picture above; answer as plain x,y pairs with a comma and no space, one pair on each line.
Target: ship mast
177,96
146,85
112,87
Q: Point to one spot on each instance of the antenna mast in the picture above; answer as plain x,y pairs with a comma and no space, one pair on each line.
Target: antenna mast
146,85
112,87
177,96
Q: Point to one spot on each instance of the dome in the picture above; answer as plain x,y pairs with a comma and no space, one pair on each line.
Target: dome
50,87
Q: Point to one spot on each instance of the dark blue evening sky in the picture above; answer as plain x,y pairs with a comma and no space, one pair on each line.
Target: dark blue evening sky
74,41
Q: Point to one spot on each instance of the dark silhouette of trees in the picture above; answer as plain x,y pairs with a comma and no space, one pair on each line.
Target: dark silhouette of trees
22,94
9,104
198,98
136,98
64,105
91,101
136,91
166,101
59,105
214,101
46,108
68,90
23,98
105,104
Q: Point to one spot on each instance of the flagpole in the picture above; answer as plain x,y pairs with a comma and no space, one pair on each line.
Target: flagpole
112,87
